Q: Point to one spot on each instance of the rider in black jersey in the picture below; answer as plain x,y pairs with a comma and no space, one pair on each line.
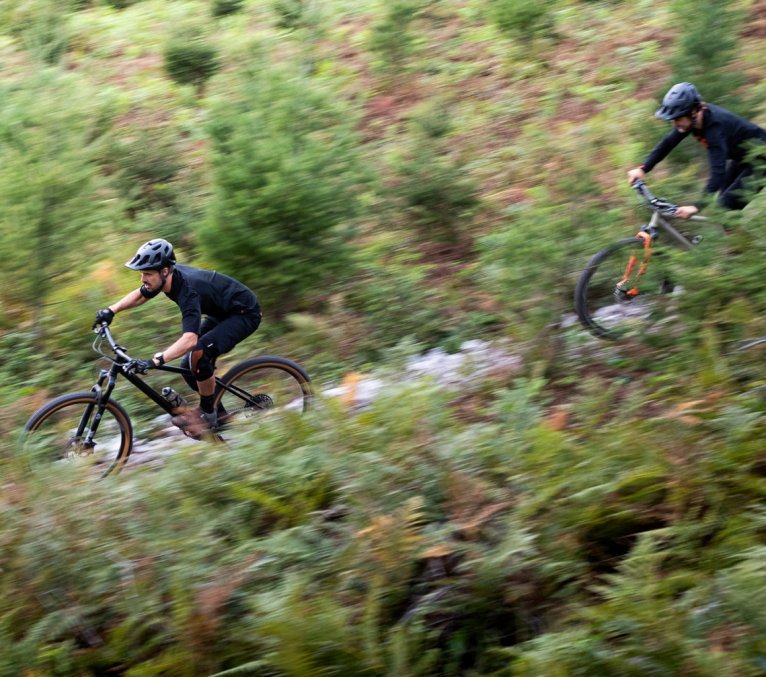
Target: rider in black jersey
231,313
725,135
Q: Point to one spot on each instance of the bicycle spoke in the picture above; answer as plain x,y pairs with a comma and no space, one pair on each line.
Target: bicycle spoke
625,293
260,390
64,431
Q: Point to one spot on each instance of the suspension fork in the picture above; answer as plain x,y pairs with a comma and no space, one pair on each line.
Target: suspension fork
108,376
624,286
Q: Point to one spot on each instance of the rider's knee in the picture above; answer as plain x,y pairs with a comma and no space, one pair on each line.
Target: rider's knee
202,361
731,200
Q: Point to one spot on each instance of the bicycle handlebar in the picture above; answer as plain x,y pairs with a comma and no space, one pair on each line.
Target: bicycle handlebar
654,203
103,332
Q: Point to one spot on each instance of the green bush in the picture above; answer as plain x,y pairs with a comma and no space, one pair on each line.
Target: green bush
53,206
42,27
436,194
189,60
160,193
522,19
707,48
287,179
145,164
392,38
121,4
392,296
291,14
225,7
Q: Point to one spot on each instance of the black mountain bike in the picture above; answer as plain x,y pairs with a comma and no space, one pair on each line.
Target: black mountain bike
92,424
626,289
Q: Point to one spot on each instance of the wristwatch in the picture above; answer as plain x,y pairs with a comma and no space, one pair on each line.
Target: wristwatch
160,358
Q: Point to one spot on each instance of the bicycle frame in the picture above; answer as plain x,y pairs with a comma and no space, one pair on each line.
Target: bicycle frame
659,223
107,380
662,213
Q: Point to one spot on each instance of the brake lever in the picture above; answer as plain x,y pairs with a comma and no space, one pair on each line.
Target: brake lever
664,207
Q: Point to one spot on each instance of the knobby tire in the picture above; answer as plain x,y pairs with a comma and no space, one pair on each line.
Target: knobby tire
596,305
50,431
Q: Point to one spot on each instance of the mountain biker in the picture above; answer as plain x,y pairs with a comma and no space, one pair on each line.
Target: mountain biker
231,311
724,134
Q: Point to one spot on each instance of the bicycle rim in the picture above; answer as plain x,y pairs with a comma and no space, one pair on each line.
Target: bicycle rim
60,431
617,297
262,387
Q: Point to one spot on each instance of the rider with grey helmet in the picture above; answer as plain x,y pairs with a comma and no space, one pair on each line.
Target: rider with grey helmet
217,312
726,136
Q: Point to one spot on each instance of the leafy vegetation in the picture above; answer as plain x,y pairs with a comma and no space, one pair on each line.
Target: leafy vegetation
389,178
190,61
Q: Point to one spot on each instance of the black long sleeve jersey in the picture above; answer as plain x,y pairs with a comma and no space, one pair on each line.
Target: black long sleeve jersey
724,134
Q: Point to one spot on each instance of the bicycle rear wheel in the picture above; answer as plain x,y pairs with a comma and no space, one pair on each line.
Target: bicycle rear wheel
621,293
61,430
261,386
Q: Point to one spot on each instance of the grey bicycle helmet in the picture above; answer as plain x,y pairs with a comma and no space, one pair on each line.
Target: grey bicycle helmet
153,255
680,100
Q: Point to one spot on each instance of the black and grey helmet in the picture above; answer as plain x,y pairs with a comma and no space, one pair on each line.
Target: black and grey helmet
681,99
153,255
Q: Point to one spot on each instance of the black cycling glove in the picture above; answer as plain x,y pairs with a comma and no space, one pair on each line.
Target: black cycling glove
103,315
140,366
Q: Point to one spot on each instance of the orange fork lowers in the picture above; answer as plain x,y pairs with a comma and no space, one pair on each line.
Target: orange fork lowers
633,291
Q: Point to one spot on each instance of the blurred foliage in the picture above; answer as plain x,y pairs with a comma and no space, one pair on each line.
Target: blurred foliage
146,167
294,14
52,198
221,8
392,37
40,27
434,189
705,48
411,175
288,177
190,60
335,544
522,20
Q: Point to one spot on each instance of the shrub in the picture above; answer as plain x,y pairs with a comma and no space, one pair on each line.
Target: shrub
51,211
121,4
437,194
707,47
287,174
191,61
290,13
146,163
521,18
225,7
391,38
42,28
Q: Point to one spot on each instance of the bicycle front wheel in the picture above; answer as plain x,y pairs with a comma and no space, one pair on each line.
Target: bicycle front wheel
261,386
624,292
74,427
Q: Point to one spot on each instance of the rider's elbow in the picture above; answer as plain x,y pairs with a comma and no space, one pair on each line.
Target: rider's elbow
189,339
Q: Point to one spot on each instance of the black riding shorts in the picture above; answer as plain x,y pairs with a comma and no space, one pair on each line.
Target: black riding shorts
217,337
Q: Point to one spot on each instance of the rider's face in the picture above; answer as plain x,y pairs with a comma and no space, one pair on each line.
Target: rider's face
683,124
152,280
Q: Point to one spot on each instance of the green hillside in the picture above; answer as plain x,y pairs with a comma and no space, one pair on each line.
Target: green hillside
394,179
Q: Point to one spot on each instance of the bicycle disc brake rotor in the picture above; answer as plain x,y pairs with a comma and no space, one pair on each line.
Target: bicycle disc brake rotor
79,447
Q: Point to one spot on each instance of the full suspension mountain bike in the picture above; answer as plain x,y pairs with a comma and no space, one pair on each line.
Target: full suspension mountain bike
93,424
626,288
